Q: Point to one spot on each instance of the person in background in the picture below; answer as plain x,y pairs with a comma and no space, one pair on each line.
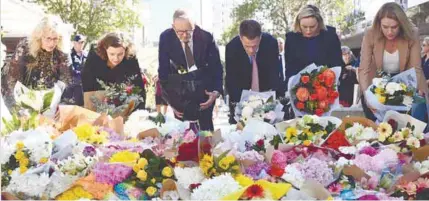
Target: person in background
348,77
252,62
39,61
282,68
114,62
419,111
391,45
78,57
311,41
161,104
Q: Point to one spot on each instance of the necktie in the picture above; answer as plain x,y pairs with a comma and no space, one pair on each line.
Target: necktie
282,77
189,56
255,75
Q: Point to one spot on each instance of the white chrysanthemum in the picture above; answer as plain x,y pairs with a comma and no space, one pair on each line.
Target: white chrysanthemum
216,188
7,151
30,185
39,144
343,162
348,150
393,87
188,176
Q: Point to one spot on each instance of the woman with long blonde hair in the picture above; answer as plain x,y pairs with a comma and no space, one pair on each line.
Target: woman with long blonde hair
391,45
39,60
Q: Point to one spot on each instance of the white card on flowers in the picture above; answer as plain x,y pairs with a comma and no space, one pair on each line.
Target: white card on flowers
294,80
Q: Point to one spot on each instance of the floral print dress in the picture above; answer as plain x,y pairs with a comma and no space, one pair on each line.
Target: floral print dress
37,73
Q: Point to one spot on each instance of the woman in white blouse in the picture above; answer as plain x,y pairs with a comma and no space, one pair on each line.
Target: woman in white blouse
391,45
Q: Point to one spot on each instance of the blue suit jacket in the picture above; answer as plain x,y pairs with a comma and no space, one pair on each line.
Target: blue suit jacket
296,51
239,68
205,52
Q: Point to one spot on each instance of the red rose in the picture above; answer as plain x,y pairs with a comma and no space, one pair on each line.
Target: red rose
276,172
319,112
329,77
313,97
329,82
302,94
300,105
322,105
305,79
188,151
333,94
316,84
260,143
321,78
322,93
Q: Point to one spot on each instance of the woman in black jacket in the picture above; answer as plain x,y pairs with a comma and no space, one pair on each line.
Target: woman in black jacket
113,62
311,42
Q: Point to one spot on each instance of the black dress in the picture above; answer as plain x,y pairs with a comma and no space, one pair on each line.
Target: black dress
96,69
347,80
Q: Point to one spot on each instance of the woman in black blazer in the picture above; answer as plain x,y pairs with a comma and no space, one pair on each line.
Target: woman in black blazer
311,42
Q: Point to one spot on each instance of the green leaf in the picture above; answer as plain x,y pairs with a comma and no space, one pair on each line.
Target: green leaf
47,100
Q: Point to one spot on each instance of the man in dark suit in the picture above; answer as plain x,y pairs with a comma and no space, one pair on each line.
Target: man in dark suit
251,63
191,47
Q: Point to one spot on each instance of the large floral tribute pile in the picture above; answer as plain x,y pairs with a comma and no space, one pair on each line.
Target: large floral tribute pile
312,157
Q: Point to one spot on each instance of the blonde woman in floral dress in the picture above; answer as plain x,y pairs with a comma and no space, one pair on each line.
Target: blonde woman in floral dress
39,61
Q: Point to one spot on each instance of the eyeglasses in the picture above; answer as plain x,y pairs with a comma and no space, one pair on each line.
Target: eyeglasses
182,32
49,39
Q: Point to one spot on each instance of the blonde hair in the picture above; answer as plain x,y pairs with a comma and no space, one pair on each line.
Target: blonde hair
309,11
48,24
426,40
393,11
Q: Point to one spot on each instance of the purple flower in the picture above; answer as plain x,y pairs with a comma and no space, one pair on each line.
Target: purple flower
89,151
318,170
111,173
368,197
370,151
255,169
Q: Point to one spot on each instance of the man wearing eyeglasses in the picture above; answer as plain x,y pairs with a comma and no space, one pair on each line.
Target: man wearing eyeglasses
189,48
251,63
74,93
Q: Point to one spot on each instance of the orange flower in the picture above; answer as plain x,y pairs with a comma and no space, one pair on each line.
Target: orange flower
323,105
322,93
305,79
316,84
302,94
321,78
313,97
300,105
329,77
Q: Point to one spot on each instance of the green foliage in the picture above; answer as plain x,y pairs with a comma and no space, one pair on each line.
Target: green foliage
17,123
93,18
281,14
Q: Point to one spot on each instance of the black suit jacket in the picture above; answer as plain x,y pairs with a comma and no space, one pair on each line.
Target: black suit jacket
205,52
296,51
239,68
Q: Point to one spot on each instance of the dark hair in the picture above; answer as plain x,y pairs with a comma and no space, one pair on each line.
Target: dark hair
250,28
115,39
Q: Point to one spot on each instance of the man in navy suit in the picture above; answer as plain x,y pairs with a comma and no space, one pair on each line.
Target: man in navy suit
252,62
191,47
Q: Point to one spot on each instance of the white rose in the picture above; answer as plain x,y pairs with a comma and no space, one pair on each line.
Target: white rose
392,87
247,112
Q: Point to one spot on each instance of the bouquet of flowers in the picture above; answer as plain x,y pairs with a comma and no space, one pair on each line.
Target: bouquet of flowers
214,166
405,137
216,188
119,99
417,190
262,106
314,90
392,93
149,172
39,101
306,130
